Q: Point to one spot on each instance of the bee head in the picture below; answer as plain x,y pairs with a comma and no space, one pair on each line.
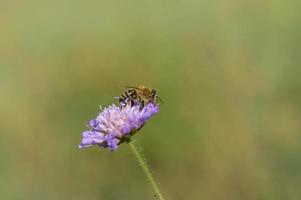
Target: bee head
154,93
155,97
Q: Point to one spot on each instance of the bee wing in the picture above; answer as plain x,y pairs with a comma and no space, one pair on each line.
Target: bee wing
132,87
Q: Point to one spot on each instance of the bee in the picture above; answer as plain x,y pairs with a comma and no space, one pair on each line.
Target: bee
140,95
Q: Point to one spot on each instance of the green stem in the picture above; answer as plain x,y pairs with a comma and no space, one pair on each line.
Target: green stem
145,169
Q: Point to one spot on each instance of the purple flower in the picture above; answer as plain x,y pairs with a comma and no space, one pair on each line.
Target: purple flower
115,125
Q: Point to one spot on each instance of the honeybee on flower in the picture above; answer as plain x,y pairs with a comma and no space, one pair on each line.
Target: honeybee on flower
117,123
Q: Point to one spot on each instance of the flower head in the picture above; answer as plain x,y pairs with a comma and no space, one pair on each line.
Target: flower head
116,124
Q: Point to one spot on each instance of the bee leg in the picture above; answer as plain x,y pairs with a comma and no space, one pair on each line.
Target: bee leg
132,103
141,105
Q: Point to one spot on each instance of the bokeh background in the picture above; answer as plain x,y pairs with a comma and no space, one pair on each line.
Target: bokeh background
228,72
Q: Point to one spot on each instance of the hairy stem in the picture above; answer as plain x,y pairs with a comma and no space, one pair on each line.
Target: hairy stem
145,169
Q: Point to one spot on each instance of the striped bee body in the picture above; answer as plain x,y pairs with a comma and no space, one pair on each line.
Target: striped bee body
140,95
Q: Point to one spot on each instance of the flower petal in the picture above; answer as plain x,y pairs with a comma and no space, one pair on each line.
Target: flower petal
91,138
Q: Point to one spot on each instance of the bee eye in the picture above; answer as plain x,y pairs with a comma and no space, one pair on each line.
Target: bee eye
153,93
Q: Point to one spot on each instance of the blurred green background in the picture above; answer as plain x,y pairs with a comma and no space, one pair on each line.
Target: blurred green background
228,72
